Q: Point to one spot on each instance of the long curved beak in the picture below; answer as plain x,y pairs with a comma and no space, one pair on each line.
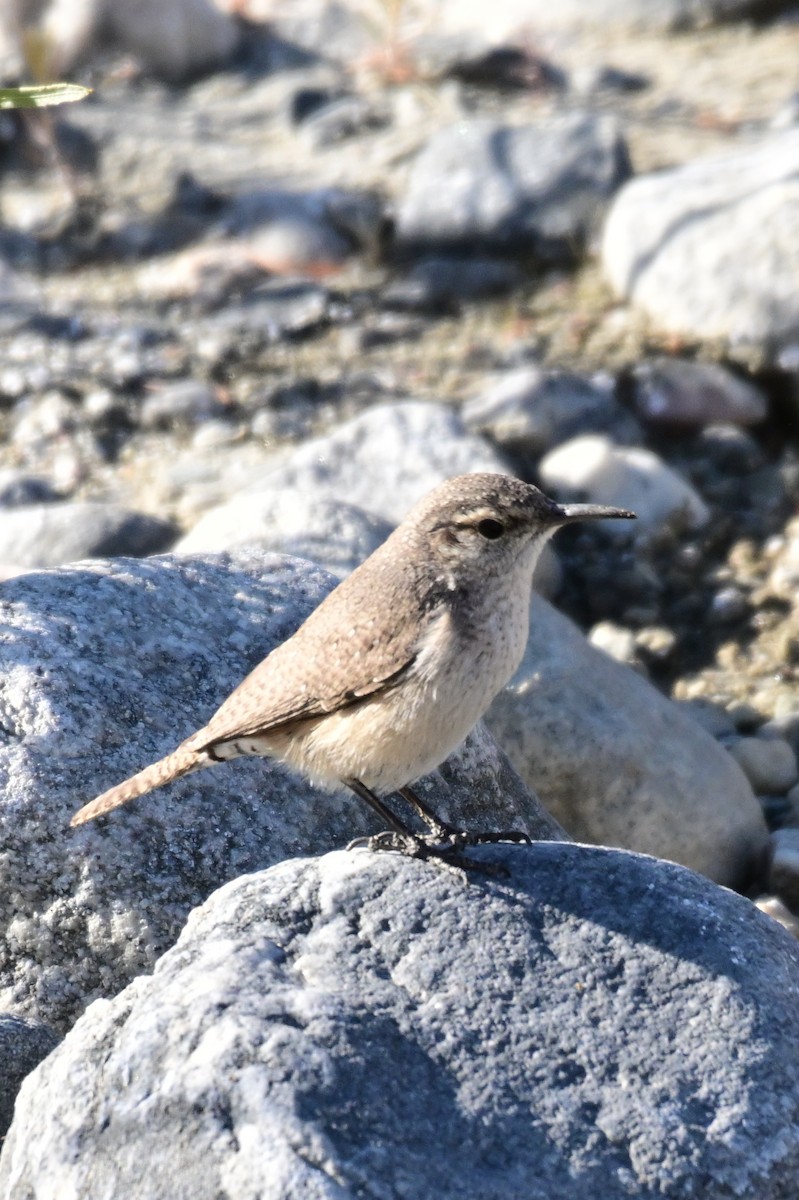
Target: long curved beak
592,512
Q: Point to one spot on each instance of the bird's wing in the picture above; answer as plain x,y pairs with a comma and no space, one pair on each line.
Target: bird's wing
318,671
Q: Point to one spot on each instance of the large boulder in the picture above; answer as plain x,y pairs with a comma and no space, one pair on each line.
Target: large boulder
538,190
107,666
618,763
709,249
592,1023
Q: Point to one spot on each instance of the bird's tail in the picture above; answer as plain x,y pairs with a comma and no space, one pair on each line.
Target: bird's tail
180,762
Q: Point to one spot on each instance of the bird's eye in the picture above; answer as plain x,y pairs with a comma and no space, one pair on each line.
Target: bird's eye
490,529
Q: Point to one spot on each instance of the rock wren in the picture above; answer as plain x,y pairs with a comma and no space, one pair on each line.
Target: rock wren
398,663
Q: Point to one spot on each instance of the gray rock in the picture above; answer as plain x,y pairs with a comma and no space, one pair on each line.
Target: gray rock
187,401
672,391
530,410
783,876
592,466
173,39
335,535
105,668
386,459
617,763
274,310
709,249
46,535
712,717
768,763
538,189
594,1024
297,229
23,1045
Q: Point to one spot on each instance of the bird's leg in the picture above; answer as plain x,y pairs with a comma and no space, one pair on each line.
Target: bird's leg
454,838
398,837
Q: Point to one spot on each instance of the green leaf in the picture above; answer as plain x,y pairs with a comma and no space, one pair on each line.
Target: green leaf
41,94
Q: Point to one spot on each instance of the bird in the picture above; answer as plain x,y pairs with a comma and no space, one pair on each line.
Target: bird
392,670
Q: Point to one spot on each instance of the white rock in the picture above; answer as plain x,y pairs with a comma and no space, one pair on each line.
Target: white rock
625,476
615,640
711,249
617,763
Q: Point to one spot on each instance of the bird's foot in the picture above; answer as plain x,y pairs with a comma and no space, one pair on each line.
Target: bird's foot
390,839
442,848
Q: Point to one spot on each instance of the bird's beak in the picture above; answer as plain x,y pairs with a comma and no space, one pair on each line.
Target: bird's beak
591,512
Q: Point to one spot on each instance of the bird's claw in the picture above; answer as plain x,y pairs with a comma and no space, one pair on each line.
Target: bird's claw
443,843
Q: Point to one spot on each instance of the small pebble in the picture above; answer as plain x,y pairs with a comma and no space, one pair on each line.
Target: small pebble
768,763
783,875
614,640
773,907
729,604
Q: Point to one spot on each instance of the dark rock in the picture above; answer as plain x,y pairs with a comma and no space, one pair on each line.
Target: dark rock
441,282
343,118
594,80
306,101
23,1045
18,488
592,1024
510,68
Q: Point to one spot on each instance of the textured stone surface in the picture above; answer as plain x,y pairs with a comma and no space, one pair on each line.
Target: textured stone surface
539,188
595,1024
618,763
106,667
709,249
23,1045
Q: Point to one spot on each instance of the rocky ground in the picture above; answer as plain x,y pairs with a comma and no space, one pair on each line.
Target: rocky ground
287,268
120,281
